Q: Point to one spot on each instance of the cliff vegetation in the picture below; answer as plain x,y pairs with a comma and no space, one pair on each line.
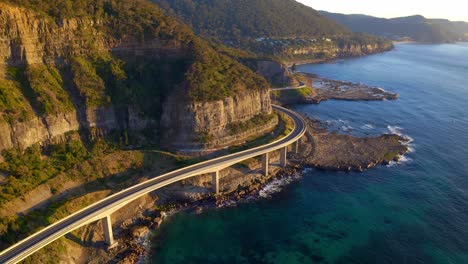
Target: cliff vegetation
103,66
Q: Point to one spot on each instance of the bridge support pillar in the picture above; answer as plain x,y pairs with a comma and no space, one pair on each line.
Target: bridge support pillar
215,182
283,156
297,145
265,163
108,235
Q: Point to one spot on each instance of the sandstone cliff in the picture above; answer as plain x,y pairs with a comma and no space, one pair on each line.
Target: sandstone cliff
210,120
29,38
330,51
275,72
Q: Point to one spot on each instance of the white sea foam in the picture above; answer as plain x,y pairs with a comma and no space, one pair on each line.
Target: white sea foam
343,121
397,131
401,159
277,185
368,127
346,128
407,141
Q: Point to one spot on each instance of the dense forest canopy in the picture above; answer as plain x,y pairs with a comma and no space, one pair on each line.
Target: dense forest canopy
233,20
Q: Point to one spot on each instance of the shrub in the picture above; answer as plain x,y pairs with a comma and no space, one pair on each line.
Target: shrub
29,169
257,121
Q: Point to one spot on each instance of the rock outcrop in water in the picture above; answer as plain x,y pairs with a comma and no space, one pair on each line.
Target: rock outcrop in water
332,151
320,89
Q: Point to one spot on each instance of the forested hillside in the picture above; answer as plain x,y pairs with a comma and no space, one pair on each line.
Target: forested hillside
234,20
92,54
417,28
284,29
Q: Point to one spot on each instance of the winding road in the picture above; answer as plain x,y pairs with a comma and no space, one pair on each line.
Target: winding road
104,208
300,86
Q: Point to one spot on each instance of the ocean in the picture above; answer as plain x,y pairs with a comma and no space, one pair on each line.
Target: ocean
415,211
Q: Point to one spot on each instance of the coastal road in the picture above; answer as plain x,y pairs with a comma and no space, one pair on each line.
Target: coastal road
300,86
107,206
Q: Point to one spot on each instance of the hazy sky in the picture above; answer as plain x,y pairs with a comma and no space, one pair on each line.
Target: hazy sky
450,9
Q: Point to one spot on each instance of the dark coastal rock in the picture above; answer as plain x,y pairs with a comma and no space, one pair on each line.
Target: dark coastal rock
318,89
319,148
140,231
332,151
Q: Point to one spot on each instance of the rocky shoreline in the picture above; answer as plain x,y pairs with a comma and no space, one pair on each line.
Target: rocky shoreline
341,90
332,151
318,89
327,89
320,149
134,238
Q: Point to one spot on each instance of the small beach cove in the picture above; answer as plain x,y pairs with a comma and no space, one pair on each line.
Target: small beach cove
414,211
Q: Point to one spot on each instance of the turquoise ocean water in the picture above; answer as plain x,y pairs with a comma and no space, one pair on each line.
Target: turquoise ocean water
413,212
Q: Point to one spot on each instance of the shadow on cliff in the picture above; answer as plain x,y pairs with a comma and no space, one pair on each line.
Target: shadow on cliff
79,103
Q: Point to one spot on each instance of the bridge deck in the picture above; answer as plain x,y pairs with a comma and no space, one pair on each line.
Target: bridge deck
114,202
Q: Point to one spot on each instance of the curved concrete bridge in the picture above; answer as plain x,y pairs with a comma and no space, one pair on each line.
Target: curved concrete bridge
103,209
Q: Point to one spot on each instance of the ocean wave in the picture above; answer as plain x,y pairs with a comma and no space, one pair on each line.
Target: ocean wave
408,141
339,125
397,131
343,121
346,128
368,127
401,159
380,89
277,185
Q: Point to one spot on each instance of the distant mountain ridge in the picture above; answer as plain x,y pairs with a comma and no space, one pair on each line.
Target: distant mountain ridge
417,28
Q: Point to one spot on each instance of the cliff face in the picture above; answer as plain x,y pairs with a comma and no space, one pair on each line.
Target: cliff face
27,38
210,120
25,134
276,73
334,51
361,50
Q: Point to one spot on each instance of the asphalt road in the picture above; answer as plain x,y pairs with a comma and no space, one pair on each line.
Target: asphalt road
300,86
114,202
